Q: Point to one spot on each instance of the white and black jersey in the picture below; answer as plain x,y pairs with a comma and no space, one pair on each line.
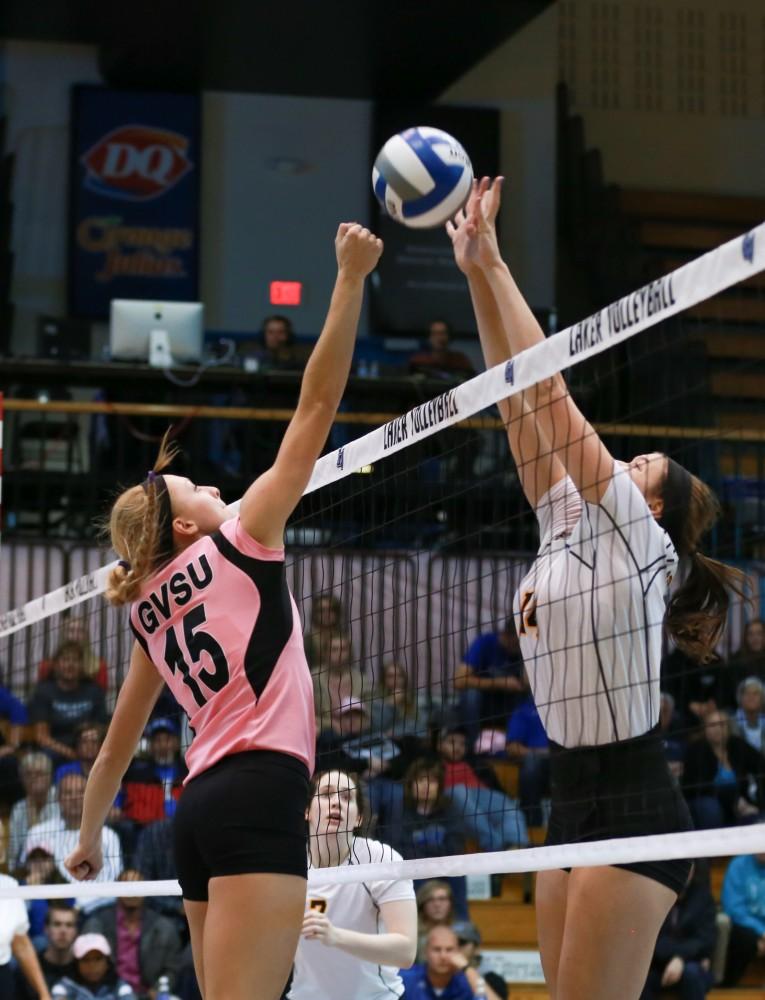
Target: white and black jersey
589,613
322,973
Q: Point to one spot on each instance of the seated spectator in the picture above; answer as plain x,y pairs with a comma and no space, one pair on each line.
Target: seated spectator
682,958
750,715
494,819
15,943
698,688
153,785
743,899
395,709
527,744
155,858
144,945
88,738
437,359
275,349
61,702
94,976
444,973
39,805
723,777
326,620
673,734
14,713
469,942
56,958
39,869
749,658
430,825
435,908
336,679
490,680
75,630
63,831
350,744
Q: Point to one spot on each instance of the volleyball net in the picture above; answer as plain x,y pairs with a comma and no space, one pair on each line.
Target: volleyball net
405,557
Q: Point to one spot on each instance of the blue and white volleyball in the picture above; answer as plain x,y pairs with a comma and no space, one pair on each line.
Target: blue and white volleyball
421,177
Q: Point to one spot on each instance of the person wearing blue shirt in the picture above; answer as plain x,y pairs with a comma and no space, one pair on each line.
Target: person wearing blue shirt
743,899
14,712
490,680
445,974
527,744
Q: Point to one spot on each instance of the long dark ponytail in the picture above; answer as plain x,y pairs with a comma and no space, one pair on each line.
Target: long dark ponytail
698,610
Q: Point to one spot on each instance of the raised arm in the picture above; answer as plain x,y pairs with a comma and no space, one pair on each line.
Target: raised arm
538,467
270,500
136,699
559,422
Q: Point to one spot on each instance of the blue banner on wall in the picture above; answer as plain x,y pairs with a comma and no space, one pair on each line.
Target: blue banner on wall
134,184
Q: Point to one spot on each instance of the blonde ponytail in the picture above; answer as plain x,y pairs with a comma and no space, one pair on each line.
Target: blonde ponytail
135,531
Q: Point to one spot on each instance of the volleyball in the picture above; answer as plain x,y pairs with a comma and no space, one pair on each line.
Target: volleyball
421,177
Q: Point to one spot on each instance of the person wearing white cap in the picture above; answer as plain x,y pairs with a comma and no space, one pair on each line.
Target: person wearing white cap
95,977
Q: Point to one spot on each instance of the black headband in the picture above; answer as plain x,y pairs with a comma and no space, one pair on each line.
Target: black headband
677,498
166,545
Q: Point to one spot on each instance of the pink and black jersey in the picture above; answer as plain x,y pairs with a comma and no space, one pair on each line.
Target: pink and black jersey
222,628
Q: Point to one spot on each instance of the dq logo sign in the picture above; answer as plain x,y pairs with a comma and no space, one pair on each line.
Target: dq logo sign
136,162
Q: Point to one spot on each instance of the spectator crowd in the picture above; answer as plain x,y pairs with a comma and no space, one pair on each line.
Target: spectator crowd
442,775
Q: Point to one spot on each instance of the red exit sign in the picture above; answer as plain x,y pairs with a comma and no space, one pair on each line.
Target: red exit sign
286,293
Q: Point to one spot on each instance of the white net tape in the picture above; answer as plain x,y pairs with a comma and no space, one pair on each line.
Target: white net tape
624,850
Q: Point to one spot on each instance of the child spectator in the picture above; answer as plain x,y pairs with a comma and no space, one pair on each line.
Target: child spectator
495,820
430,826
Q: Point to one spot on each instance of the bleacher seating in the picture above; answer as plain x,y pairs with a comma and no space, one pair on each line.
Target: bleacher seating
507,922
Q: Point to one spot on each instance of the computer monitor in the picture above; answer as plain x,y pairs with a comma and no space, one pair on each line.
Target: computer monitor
146,331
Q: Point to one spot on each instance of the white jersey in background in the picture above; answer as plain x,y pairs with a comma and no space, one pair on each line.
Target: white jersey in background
589,613
322,973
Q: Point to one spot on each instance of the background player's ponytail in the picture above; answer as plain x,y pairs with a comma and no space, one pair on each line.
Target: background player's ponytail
698,609
134,532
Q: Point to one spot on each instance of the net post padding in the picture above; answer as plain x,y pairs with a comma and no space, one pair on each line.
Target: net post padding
625,850
726,265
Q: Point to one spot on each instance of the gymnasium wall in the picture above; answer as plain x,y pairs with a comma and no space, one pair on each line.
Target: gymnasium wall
518,79
672,91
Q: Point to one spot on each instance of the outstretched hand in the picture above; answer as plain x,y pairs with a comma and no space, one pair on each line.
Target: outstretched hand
473,231
358,250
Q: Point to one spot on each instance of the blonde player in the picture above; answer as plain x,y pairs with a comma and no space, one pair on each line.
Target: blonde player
355,936
590,614
213,618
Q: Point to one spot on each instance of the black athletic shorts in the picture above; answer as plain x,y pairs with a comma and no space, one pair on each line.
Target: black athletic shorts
244,814
618,790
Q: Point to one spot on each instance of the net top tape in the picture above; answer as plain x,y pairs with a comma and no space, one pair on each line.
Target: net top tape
726,265
625,850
